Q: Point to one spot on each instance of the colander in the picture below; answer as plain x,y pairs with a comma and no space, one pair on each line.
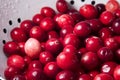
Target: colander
12,12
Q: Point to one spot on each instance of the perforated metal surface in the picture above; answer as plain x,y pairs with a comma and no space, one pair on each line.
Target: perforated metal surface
12,12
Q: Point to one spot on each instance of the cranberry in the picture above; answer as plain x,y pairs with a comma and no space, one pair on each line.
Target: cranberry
53,45
46,57
117,55
47,24
81,51
82,29
26,25
105,54
65,75
108,67
37,18
69,49
100,8
90,59
71,39
62,6
103,76
85,77
38,33
16,61
116,73
65,19
117,13
106,17
111,44
51,69
116,26
117,38
27,60
47,11
43,46
88,11
18,77
21,47
93,73
67,60
93,43
53,34
11,48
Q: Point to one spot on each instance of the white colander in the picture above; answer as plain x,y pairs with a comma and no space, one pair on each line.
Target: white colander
12,12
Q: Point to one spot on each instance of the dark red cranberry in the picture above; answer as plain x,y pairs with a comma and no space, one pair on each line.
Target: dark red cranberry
90,59
117,38
27,60
88,11
47,11
81,51
117,55
93,43
105,54
62,6
43,46
69,48
46,57
18,77
82,29
103,76
53,45
21,47
18,35
108,67
85,77
51,69
116,73
37,18
65,75
47,24
93,73
53,34
11,48
117,13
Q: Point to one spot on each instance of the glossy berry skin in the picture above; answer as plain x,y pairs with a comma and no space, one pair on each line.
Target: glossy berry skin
93,73
18,35
62,6
117,55
16,61
105,54
85,77
18,77
117,13
53,45
37,33
89,59
116,73
47,12
47,24
64,20
103,76
71,39
21,48
100,8
67,60
82,29
37,18
106,17
11,48
93,43
53,34
51,69
81,51
27,60
69,49
26,25
111,44
116,26
65,75
45,57
108,67
88,11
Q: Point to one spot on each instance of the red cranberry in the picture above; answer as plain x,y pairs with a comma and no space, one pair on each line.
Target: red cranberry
71,39
21,47
47,24
47,11
51,69
53,34
62,6
105,54
69,49
16,61
43,46
117,13
117,55
37,33
116,26
45,57
65,75
82,29
26,25
93,43
85,77
27,60
116,73
100,8
108,67
81,51
37,18
90,59
93,73
117,38
106,17
53,45
88,11
103,76
67,60
11,48
18,77
18,35
65,19
111,44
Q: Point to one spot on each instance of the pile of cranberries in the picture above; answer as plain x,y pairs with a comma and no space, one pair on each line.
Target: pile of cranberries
67,44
